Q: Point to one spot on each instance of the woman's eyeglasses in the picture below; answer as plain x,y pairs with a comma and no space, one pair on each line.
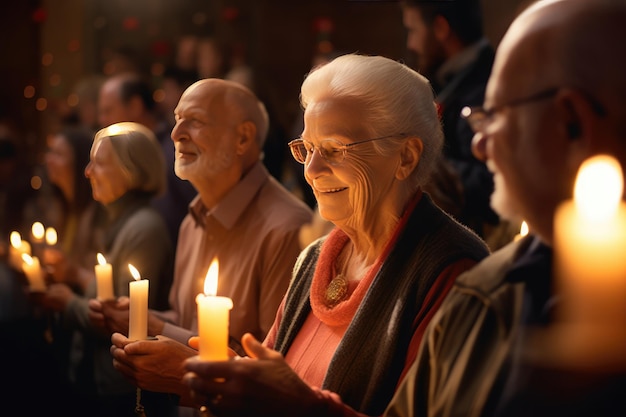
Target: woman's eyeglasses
333,151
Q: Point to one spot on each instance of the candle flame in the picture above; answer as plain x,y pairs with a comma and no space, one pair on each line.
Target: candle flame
38,230
27,258
210,281
102,261
134,272
16,239
51,236
599,187
523,230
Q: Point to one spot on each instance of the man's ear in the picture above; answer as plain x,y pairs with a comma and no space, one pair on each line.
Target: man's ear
581,125
409,157
247,136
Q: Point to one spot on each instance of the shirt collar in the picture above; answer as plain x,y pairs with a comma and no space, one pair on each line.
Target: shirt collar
233,204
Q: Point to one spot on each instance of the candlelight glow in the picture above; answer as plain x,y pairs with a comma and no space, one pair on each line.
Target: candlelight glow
599,187
51,236
102,261
27,259
523,230
37,230
210,281
16,240
134,272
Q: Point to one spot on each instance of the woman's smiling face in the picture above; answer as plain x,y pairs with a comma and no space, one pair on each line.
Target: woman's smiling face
354,191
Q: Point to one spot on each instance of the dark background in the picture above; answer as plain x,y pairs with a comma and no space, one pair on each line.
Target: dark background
51,44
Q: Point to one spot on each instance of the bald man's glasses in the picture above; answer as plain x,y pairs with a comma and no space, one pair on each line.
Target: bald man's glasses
479,117
333,151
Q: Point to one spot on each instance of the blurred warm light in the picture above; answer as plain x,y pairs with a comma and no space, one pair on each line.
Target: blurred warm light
47,59
55,79
41,104
159,95
16,239
29,91
599,187
101,259
36,182
37,230
325,47
51,236
72,100
157,69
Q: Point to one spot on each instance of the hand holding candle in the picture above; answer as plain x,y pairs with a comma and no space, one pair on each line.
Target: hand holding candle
213,318
104,279
138,310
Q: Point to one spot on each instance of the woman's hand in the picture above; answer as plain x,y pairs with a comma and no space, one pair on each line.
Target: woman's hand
261,385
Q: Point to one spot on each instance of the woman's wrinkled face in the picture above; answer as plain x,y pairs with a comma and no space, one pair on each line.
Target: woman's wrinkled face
108,180
357,191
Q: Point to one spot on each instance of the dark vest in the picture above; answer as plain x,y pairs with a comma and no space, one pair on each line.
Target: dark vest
368,362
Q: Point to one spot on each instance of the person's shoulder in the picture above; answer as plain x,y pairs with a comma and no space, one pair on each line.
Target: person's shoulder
489,275
281,202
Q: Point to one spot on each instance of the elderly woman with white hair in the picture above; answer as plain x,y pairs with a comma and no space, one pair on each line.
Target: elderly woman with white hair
352,319
126,170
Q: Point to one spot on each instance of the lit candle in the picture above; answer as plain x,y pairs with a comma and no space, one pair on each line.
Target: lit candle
589,242
138,314
523,231
34,274
213,318
18,247
104,278
37,230
51,236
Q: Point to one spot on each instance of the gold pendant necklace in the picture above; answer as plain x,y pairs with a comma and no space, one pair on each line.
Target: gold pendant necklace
336,290
338,287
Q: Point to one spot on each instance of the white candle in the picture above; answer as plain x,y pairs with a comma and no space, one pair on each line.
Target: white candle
17,248
213,318
138,314
34,274
104,279
589,242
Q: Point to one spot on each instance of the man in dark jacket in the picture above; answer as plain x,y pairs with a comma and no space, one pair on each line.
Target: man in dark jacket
453,54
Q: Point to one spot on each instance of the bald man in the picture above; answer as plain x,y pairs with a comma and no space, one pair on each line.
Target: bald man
241,215
556,96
